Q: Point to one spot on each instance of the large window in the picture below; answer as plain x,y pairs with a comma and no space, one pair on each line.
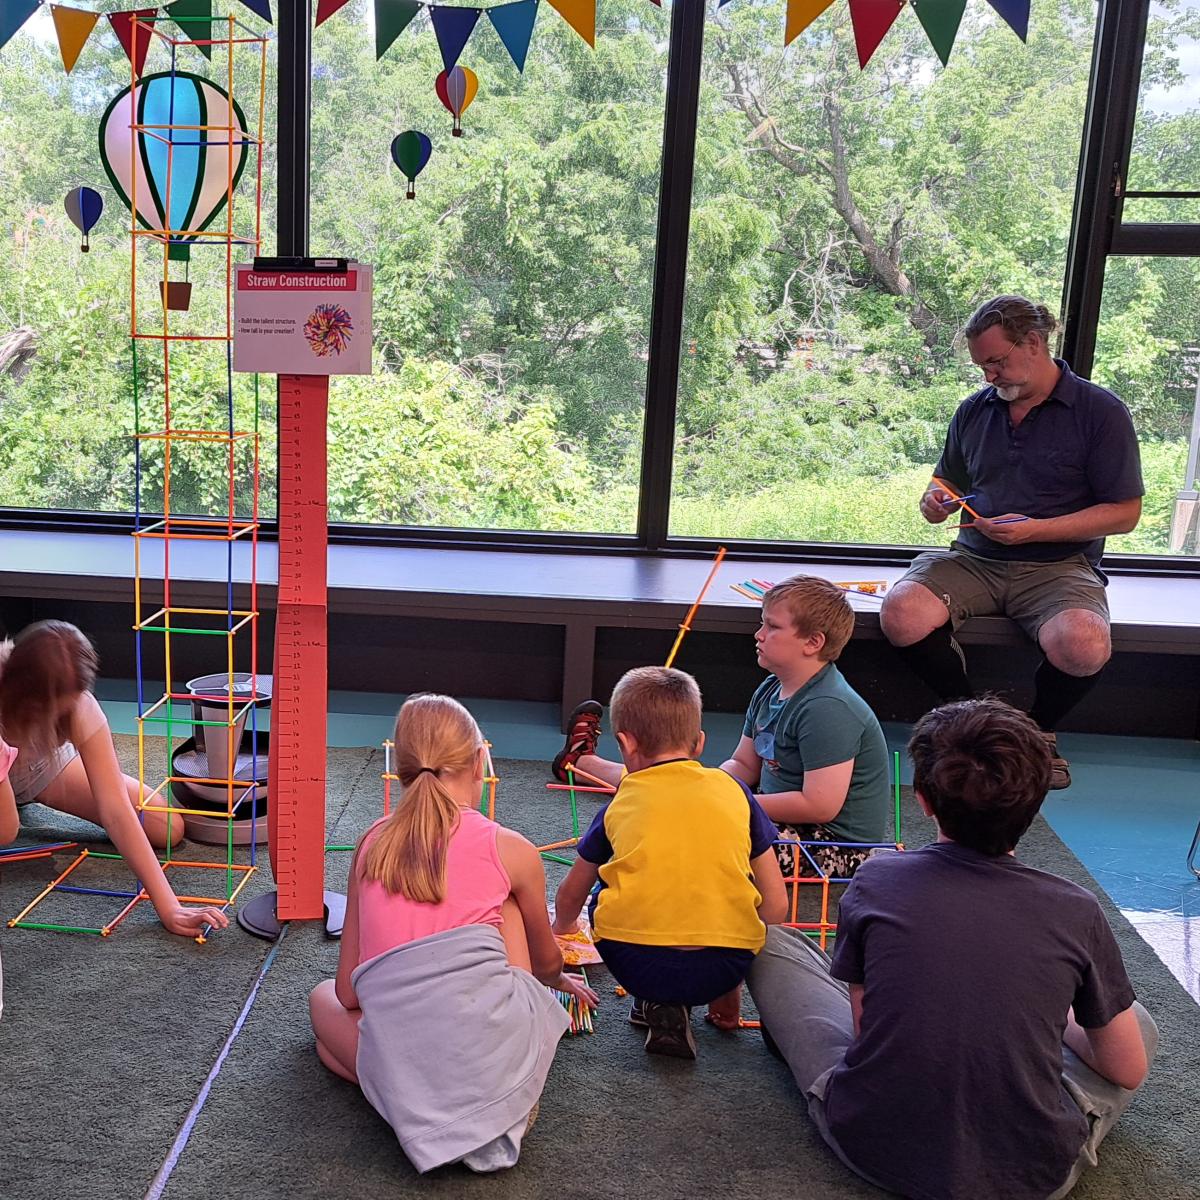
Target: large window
845,225
512,296
66,368
1148,335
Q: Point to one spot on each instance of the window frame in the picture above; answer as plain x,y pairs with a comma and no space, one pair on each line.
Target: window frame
1097,231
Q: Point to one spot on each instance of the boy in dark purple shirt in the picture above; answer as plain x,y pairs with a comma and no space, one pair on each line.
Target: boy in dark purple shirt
975,1035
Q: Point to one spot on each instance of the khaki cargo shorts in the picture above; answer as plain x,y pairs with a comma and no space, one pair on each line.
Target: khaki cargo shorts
1029,593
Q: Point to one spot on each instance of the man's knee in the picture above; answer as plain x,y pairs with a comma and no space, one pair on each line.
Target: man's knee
1077,642
911,612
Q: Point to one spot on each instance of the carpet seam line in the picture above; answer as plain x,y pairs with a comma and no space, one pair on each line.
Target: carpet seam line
163,1175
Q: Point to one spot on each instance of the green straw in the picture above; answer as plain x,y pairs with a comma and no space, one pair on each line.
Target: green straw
57,928
896,774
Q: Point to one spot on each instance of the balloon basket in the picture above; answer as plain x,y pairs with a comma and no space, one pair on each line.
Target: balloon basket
177,296
411,194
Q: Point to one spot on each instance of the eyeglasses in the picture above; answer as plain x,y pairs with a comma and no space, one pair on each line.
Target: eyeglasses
992,365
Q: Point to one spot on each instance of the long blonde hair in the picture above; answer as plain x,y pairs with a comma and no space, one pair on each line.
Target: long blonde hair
434,736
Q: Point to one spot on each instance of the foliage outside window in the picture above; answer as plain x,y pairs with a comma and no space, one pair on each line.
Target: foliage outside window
66,367
512,296
846,223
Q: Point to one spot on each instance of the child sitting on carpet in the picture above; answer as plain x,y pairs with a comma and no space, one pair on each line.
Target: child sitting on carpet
811,747
437,1011
683,856
66,759
975,1034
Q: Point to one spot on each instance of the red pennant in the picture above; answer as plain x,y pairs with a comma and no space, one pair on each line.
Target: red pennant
326,8
872,19
122,23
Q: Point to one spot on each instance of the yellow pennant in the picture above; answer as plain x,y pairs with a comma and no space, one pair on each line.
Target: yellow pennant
581,16
800,15
74,27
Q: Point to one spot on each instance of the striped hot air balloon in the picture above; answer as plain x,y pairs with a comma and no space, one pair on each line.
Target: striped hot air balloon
189,125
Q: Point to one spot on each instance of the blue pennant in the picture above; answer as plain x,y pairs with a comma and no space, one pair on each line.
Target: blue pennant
453,27
1015,13
14,14
261,7
514,24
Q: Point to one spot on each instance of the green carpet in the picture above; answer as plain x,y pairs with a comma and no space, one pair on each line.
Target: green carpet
106,1043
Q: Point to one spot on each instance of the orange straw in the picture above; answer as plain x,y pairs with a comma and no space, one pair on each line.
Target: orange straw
687,621
578,770
954,495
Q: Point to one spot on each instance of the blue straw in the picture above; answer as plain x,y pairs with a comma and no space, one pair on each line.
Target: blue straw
958,499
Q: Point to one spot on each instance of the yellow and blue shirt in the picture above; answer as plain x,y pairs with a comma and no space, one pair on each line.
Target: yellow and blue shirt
673,848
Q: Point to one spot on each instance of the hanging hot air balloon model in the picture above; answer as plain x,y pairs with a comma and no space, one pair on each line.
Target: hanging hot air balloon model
84,206
178,170
456,89
410,152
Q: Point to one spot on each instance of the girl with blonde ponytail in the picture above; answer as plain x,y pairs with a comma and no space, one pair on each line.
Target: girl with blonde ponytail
445,919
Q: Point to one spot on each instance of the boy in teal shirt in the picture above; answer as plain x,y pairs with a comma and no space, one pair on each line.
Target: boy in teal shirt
811,746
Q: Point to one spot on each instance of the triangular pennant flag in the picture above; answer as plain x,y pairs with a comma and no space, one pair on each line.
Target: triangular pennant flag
391,20
580,15
14,14
201,27
261,8
1014,12
74,26
122,23
453,26
514,24
871,20
940,20
326,8
800,15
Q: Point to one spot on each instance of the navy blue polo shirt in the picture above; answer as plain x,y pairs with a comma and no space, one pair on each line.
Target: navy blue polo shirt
1075,449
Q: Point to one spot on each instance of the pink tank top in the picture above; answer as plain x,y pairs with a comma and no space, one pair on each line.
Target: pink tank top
476,886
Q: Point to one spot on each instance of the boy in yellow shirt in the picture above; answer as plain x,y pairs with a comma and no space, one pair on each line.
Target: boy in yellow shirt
682,856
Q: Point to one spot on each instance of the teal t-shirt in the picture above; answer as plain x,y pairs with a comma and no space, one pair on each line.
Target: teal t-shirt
824,723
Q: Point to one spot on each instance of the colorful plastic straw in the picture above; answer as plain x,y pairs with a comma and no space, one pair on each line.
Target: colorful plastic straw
687,621
947,488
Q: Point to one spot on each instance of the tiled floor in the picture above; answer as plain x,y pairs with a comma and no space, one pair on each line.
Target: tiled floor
1129,815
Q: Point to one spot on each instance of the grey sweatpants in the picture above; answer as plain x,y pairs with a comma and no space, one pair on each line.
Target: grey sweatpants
807,1013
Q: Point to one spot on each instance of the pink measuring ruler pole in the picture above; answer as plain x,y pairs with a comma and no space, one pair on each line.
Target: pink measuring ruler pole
296,774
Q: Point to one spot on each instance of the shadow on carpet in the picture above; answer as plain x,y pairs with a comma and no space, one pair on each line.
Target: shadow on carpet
105,1044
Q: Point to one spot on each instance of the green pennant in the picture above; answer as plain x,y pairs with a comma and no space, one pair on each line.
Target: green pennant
940,20
391,20
200,23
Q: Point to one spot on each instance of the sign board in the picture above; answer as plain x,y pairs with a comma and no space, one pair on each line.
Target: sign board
303,322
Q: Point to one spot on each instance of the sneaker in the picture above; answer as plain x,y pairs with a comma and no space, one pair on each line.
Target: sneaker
670,1030
583,734
1060,769
637,1014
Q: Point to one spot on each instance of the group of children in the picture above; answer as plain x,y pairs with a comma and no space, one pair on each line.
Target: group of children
974,1034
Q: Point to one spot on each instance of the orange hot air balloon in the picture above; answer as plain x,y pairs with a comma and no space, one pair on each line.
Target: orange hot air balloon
456,89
